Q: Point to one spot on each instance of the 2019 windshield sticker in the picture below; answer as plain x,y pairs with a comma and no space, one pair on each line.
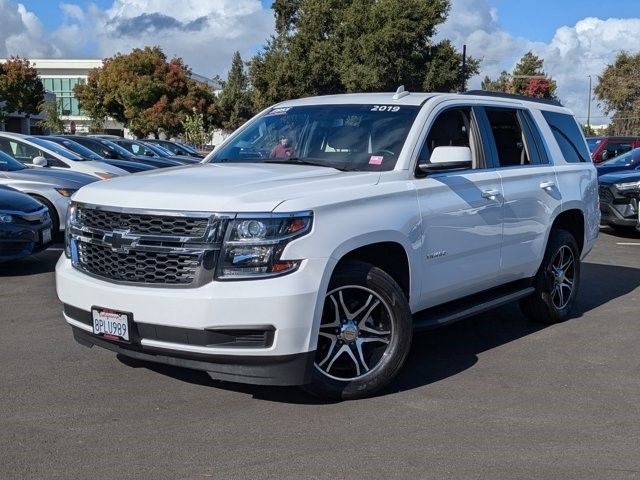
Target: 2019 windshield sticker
385,108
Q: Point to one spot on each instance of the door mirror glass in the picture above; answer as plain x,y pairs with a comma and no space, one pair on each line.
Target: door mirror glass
447,158
40,161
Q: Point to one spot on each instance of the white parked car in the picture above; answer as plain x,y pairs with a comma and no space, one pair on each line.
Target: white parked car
325,230
38,152
53,188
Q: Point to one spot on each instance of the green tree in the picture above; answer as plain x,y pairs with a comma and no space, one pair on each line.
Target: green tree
145,92
195,132
234,102
618,93
21,89
336,46
52,122
527,78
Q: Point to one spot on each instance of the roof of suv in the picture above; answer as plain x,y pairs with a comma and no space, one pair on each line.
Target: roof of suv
419,98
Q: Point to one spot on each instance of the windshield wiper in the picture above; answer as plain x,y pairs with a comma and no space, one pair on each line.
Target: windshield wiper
299,161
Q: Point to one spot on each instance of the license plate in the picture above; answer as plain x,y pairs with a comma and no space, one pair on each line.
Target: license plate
110,324
46,235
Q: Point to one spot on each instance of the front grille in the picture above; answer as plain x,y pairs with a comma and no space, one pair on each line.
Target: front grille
143,224
136,266
142,247
605,194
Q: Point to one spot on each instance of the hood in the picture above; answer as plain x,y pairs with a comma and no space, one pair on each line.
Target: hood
604,169
56,178
619,177
13,201
229,187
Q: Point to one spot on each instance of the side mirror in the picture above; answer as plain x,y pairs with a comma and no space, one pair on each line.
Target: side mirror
106,153
447,158
40,161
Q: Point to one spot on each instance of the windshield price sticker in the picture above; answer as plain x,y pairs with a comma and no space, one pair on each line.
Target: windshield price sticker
385,108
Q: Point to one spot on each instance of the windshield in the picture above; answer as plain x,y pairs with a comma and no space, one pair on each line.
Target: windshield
347,137
114,147
57,149
9,164
79,149
188,148
163,152
628,159
593,143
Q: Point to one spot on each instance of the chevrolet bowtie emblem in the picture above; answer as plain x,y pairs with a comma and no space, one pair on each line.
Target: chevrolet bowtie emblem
120,240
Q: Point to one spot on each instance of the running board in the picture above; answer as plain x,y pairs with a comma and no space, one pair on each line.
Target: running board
478,303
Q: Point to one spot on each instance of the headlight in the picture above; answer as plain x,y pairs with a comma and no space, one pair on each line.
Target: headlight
104,175
253,246
71,218
628,186
5,218
66,192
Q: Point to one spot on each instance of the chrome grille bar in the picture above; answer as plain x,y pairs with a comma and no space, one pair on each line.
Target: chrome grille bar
146,247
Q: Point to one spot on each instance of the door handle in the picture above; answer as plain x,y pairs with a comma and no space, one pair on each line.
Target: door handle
490,194
547,185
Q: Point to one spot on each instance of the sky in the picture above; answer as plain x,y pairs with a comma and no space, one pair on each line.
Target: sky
576,38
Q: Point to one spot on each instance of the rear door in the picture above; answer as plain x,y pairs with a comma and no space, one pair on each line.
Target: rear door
531,195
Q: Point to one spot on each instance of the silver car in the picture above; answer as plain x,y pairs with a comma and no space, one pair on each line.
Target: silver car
53,188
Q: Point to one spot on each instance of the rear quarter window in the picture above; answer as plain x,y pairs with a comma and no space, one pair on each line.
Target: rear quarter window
569,137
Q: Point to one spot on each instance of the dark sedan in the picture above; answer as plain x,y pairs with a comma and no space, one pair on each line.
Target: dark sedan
139,148
110,150
84,152
25,226
626,161
174,147
619,199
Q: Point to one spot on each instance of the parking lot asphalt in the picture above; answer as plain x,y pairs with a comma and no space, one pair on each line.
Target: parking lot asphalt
490,397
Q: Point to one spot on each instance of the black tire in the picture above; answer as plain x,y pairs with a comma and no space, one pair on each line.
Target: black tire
392,311
55,220
544,304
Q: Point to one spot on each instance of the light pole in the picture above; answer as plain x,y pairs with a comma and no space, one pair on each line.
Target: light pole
589,107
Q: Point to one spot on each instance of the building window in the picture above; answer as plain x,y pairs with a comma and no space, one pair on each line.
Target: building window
63,90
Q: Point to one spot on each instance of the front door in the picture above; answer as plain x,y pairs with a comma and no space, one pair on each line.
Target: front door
461,214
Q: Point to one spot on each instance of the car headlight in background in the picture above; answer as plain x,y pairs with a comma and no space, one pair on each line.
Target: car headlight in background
5,218
253,246
105,175
66,192
628,186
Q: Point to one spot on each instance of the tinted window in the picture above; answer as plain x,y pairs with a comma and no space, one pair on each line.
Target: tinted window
625,160
568,135
8,164
349,137
57,149
452,128
593,143
20,151
509,137
613,149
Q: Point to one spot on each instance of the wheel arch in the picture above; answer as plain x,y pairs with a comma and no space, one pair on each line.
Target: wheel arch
573,221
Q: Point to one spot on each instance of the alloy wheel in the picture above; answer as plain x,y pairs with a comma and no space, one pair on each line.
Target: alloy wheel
562,274
355,333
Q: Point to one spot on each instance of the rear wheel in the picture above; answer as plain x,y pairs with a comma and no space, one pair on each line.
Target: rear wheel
365,334
557,281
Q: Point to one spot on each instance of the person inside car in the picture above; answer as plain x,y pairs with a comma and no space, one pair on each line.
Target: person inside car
283,149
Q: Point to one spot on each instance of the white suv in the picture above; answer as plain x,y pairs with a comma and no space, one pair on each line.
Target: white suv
325,230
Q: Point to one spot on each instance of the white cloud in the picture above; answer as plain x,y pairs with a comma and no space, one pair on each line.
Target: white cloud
21,33
572,54
204,34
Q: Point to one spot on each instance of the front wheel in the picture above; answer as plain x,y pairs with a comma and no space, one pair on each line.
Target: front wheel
557,281
365,334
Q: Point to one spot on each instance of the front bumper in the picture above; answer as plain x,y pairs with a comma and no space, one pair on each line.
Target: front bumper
178,317
18,241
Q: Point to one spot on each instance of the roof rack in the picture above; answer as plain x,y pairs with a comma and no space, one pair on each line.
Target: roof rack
485,93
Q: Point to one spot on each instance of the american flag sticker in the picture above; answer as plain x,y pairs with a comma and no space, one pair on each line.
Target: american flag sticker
375,160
